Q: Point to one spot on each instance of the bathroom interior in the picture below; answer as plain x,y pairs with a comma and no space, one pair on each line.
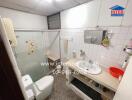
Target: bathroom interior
69,49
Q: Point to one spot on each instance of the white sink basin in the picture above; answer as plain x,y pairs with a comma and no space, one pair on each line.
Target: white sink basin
88,66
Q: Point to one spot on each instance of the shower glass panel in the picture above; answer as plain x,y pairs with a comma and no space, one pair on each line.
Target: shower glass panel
30,55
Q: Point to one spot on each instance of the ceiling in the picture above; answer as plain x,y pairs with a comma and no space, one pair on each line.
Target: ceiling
41,7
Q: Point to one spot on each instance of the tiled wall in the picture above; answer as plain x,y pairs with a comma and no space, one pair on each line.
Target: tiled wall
87,17
90,15
111,56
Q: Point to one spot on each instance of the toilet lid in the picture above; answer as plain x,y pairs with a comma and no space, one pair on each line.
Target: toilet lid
44,82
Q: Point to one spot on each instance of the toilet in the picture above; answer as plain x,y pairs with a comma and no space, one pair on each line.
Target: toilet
41,89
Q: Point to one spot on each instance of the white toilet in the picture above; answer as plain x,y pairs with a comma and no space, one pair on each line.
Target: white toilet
41,88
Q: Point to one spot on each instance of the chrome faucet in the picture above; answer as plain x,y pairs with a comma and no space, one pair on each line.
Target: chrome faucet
82,54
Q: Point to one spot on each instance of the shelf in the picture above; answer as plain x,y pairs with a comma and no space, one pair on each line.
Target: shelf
79,92
88,82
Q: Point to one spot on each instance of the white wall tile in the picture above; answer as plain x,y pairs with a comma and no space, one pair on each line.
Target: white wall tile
71,26
113,55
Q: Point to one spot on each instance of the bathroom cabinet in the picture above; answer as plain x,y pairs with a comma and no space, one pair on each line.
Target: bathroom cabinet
102,83
108,94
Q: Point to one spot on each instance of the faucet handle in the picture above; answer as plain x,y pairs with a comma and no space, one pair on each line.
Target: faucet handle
91,62
82,51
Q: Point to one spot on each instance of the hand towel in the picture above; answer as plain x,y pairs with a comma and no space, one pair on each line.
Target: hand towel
9,29
65,46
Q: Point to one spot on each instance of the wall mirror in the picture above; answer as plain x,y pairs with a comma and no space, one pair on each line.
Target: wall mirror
98,37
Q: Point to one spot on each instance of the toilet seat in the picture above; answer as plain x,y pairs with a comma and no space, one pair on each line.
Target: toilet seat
41,88
44,82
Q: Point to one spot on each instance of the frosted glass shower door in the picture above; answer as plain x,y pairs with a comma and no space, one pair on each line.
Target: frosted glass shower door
30,54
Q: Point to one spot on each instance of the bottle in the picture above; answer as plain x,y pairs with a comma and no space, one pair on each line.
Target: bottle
129,44
74,54
124,64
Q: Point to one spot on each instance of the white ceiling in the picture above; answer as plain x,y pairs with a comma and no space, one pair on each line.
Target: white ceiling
42,7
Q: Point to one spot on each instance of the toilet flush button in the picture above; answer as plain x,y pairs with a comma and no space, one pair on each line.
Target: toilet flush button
26,80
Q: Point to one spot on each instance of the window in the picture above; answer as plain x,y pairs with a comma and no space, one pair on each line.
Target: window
54,21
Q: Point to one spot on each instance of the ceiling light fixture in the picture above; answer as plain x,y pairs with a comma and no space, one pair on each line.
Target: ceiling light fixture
59,0
49,1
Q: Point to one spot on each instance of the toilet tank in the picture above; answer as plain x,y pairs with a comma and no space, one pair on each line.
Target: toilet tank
27,82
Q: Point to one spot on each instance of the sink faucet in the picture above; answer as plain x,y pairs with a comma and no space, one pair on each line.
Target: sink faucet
82,54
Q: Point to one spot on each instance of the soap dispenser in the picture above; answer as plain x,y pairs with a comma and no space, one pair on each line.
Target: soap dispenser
74,55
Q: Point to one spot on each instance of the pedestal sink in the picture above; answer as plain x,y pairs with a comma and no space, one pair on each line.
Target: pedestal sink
88,66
